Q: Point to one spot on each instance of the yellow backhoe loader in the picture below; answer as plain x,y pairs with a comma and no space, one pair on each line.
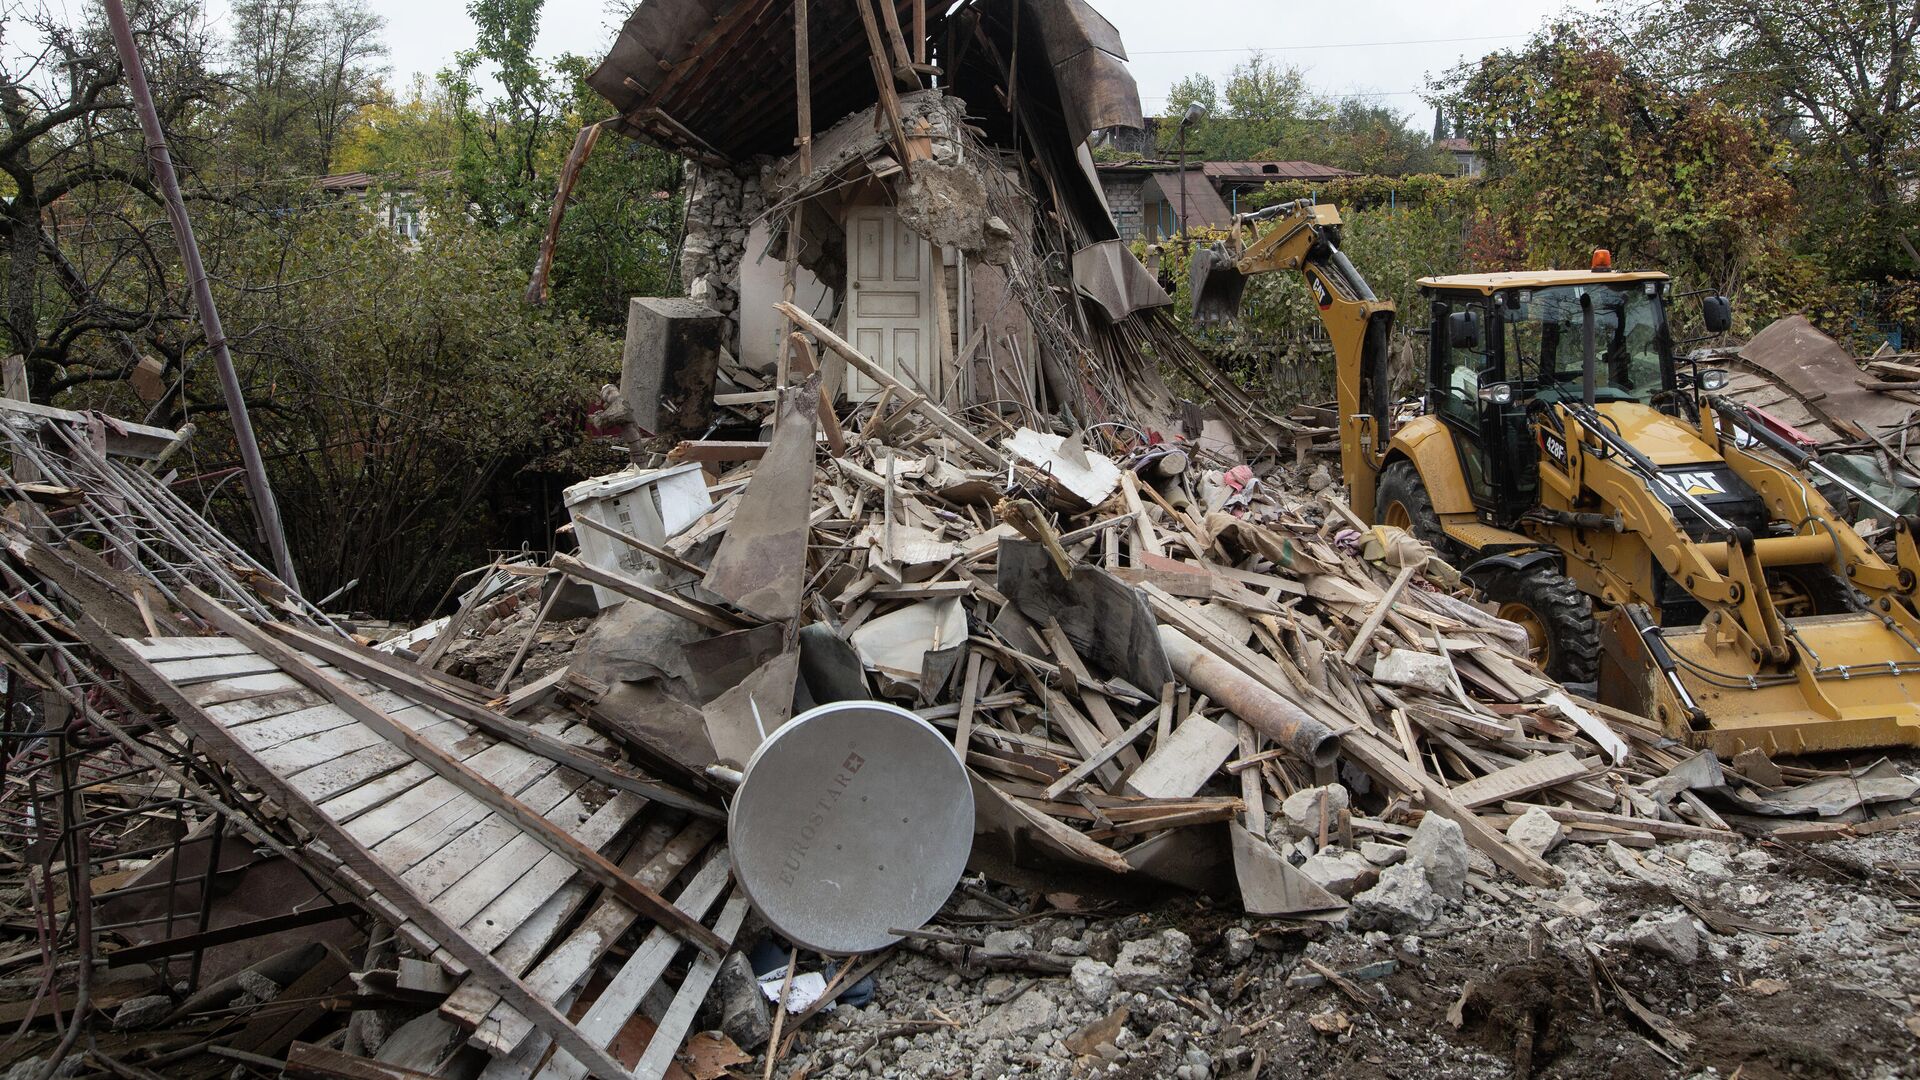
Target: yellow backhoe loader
1656,540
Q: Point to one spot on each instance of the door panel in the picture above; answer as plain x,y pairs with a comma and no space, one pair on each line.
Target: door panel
890,308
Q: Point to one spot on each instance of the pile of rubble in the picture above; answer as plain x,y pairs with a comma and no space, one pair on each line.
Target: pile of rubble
1238,764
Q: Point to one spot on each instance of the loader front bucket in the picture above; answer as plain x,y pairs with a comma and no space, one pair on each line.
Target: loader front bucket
1854,684
1217,285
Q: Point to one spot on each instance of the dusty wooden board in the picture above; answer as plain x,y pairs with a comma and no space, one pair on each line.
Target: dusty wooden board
1181,766
192,671
643,970
434,811
1529,775
376,793
180,648
654,857
441,857
493,924
236,689
246,710
312,722
507,854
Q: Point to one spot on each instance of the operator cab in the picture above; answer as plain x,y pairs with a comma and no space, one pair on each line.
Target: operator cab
1505,345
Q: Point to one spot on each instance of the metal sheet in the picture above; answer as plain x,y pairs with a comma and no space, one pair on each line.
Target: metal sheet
853,819
1106,619
762,563
1824,376
1109,275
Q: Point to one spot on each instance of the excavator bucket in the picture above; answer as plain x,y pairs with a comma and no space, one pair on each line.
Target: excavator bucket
1854,685
1214,279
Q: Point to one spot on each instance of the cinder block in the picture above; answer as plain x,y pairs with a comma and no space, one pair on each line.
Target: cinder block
671,358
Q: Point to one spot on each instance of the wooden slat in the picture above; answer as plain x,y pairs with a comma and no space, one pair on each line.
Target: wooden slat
447,846
556,839
341,846
637,977
177,648
494,923
241,688
567,966
410,685
672,1032
199,669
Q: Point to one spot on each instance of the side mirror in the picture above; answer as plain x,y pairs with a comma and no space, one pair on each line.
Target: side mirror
1463,330
1717,313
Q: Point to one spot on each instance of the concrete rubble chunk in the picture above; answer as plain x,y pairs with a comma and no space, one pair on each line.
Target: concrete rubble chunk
141,1012
1671,936
1382,854
1092,980
1341,872
1422,671
744,1015
1032,1012
1008,941
1303,810
1536,831
1239,944
1403,900
1440,848
1154,961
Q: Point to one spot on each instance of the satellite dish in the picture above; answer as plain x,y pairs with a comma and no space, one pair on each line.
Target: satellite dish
852,819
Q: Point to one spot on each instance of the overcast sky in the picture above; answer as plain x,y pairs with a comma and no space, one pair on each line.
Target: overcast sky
1346,46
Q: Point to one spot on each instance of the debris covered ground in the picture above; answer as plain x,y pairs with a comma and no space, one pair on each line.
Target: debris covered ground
1257,789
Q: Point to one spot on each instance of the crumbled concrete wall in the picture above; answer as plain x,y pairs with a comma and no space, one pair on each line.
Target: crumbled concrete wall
947,204
721,206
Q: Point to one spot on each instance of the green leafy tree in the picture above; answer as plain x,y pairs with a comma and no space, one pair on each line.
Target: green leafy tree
1840,82
1587,150
301,71
407,133
1266,111
508,143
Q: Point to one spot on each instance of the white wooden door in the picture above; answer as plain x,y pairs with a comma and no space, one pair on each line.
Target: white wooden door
890,300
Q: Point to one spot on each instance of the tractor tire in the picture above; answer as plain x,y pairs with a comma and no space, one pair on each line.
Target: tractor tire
1558,617
1401,499
1800,591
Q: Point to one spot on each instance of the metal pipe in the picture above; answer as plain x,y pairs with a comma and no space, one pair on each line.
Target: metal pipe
266,512
1360,287
1273,715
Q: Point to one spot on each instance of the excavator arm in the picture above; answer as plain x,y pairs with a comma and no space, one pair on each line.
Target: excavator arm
1304,236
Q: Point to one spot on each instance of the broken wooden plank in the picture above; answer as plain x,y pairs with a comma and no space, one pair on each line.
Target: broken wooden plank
939,417
1514,780
705,615
1186,762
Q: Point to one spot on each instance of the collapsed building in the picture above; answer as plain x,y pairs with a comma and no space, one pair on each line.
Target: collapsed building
937,207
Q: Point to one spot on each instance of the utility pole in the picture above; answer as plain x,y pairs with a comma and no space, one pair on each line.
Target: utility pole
266,512
1195,112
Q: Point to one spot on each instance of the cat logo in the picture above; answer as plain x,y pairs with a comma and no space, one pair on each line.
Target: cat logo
1697,483
1320,293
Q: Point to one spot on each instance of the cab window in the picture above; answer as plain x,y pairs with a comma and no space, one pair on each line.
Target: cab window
1461,370
1544,337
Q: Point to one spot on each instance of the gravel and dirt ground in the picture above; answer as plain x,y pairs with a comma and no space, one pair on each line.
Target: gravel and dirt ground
1693,959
